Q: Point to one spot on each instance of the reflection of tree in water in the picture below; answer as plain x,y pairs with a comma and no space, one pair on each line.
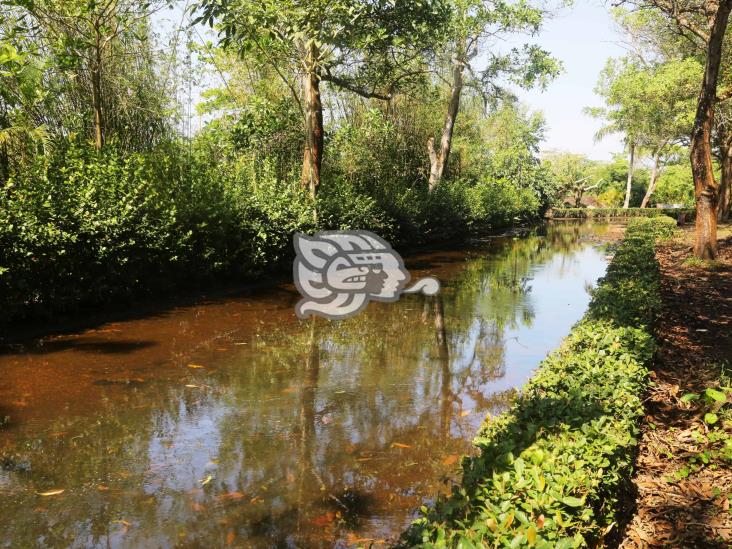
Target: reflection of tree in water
298,426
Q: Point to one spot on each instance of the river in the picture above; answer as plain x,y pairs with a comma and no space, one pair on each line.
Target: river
233,423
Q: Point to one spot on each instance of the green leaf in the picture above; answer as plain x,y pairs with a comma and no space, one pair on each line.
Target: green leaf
573,501
711,418
714,394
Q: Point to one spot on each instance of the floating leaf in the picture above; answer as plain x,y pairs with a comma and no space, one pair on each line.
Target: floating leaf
451,459
51,492
324,520
231,496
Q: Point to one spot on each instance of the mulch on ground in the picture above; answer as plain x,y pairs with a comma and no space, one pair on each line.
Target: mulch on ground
680,500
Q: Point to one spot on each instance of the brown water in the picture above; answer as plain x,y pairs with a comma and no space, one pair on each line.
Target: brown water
232,423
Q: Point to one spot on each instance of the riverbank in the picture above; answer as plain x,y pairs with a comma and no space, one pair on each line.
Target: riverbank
684,469
553,470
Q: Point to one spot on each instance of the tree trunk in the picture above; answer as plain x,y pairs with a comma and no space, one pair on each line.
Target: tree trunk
705,186
629,185
725,182
655,172
96,78
313,155
438,159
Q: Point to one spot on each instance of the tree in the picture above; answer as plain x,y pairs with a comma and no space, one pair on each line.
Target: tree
373,49
703,25
724,155
574,175
621,84
473,24
98,60
651,102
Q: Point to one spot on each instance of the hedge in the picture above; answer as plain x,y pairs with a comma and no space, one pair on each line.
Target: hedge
598,213
551,470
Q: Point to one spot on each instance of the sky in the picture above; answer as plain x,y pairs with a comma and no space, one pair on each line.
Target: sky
583,37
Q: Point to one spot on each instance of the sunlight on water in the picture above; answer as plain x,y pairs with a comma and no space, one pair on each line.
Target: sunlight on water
233,423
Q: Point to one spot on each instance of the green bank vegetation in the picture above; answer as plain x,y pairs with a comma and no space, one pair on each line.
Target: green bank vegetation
551,471
620,213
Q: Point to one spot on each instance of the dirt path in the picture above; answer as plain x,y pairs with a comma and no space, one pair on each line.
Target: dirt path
684,471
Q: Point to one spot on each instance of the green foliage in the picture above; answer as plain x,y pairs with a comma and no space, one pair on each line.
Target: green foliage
91,228
675,185
619,213
552,469
499,204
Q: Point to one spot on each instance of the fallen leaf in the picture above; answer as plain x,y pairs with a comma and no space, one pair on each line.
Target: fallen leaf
353,539
466,413
324,520
289,390
102,487
197,507
450,460
51,492
540,521
191,386
230,537
399,445
196,366
231,496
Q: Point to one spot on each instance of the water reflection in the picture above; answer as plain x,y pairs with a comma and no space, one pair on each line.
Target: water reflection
234,424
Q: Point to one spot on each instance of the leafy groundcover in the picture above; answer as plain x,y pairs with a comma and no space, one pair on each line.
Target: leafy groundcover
551,471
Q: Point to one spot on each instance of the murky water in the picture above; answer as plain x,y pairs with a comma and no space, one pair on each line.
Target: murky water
232,423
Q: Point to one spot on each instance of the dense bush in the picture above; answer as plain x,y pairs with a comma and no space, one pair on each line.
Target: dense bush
88,228
592,213
83,227
551,470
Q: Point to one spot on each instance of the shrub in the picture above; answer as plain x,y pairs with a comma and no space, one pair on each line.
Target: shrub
551,470
594,213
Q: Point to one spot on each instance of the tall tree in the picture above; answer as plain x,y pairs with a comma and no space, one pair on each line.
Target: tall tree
474,25
621,84
702,24
94,49
373,49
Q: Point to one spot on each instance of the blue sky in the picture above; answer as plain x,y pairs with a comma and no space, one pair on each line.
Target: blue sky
583,37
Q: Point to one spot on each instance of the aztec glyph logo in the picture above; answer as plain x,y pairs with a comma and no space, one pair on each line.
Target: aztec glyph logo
339,272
